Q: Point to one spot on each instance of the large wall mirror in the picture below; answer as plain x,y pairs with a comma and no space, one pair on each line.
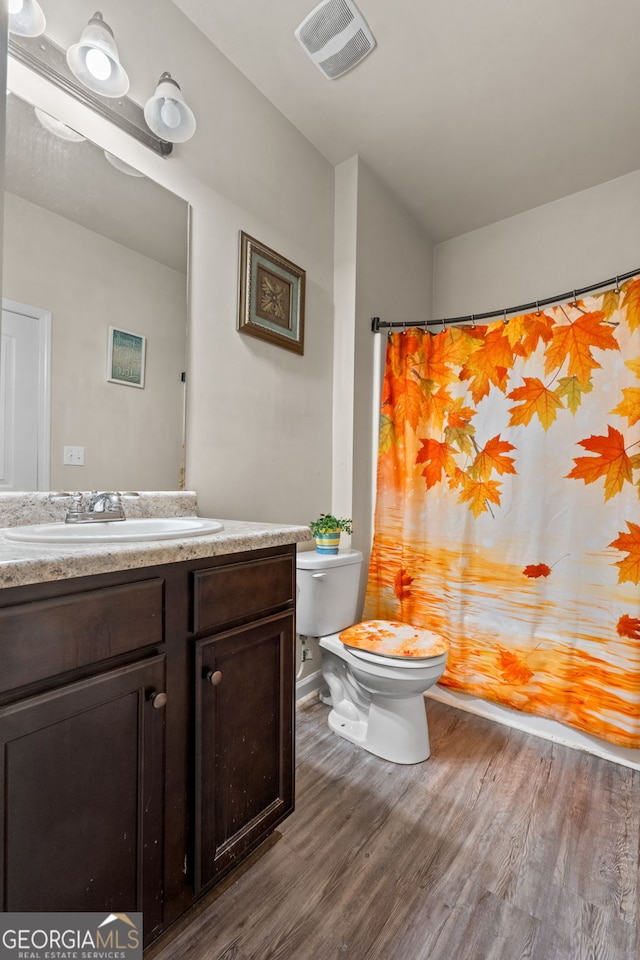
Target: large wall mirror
91,251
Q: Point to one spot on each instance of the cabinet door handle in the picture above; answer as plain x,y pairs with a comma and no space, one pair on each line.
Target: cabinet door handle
158,700
214,677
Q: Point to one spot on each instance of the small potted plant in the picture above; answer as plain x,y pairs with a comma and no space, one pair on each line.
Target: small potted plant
326,530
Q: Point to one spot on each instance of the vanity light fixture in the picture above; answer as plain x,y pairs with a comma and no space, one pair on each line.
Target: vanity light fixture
26,18
91,72
94,60
166,113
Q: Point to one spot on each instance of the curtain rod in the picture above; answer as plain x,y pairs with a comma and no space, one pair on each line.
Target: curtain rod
377,324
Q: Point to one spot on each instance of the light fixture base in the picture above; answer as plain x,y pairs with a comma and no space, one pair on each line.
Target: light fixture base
48,60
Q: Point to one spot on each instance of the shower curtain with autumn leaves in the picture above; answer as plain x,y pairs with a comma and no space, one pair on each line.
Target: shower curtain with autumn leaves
508,511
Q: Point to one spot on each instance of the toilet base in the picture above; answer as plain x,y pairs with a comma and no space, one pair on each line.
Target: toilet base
394,730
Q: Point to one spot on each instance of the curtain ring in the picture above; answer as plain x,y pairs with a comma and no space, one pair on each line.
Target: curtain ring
443,325
617,286
473,322
575,298
537,309
504,318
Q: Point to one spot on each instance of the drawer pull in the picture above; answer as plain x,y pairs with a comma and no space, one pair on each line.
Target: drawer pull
214,677
158,700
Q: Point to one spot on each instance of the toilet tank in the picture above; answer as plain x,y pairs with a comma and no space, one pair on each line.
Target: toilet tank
327,591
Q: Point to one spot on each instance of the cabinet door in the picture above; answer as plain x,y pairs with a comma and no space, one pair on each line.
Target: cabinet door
81,776
244,741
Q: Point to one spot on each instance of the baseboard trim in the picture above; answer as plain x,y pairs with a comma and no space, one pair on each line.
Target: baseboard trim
308,685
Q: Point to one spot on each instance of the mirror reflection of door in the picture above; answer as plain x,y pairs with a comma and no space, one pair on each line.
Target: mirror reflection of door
24,397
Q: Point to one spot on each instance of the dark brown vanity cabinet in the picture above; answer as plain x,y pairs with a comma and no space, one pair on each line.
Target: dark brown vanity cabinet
244,680
82,735
82,787
146,730
243,759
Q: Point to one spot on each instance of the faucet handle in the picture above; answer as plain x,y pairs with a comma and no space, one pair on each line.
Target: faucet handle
74,508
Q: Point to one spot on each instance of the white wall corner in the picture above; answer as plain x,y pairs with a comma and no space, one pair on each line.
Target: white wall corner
344,291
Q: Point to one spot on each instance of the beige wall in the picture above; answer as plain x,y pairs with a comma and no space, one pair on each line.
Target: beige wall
258,417
383,268
570,243
132,438
3,103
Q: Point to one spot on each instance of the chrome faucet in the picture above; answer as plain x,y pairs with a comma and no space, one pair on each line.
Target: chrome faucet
108,505
103,507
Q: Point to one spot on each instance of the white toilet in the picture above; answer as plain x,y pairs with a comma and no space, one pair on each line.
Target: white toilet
376,697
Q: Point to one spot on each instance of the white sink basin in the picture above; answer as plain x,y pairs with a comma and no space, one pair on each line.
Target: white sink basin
115,531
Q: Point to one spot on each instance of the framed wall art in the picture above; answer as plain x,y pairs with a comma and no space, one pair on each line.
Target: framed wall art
125,357
271,296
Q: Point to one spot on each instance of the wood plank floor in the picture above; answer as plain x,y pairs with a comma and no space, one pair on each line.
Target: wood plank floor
502,846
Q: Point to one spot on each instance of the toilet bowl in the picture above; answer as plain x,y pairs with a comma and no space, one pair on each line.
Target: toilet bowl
376,672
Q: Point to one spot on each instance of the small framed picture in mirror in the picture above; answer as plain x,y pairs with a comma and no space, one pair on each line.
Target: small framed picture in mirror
271,296
125,357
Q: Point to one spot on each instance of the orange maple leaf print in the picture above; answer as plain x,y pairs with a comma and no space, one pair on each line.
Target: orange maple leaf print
479,494
402,584
575,340
459,429
628,627
439,459
409,400
631,303
489,364
629,406
461,436
493,457
513,669
537,400
458,415
629,543
526,331
610,302
457,479
436,404
572,389
387,434
535,570
445,352
411,340
611,462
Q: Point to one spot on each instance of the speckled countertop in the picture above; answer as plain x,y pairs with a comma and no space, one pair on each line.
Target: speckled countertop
24,563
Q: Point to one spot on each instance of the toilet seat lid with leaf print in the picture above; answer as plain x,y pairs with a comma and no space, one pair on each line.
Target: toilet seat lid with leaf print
389,638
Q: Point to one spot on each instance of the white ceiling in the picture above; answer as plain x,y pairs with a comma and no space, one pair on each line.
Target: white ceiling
469,110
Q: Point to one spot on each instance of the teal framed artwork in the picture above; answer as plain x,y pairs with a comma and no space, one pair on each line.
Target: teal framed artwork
125,357
271,296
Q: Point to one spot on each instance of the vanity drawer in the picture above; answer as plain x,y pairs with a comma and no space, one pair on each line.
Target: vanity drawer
242,591
49,637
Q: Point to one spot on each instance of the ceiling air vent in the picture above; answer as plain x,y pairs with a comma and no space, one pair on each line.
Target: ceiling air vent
335,36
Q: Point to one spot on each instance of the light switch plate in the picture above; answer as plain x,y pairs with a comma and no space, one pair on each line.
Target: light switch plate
73,456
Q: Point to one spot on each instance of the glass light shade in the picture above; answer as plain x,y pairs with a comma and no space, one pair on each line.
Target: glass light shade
166,113
122,166
57,127
94,60
26,18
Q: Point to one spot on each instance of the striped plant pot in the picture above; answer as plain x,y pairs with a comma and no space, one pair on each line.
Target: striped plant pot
328,542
